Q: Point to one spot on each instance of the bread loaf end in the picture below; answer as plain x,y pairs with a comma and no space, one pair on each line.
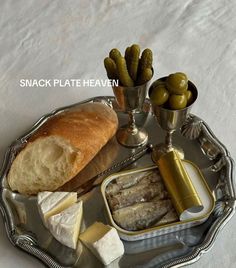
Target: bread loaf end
48,159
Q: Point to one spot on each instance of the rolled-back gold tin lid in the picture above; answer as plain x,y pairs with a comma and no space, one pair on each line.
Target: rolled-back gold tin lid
179,185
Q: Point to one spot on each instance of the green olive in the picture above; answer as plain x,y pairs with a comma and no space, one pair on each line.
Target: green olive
159,94
158,82
189,96
177,102
177,83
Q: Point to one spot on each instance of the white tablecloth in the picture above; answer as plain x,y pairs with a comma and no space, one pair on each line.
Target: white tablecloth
69,39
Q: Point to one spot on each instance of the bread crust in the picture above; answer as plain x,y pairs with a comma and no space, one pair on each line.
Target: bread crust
86,128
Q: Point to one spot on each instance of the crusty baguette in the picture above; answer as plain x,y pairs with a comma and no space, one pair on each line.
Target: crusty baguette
62,147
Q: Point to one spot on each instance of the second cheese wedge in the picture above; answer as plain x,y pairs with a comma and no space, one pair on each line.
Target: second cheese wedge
103,241
65,226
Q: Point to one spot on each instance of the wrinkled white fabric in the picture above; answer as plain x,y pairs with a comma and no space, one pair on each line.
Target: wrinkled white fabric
69,39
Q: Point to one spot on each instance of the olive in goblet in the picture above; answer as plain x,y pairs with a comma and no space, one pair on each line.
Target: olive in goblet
131,100
170,119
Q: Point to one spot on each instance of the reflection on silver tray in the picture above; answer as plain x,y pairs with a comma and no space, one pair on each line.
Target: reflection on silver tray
25,230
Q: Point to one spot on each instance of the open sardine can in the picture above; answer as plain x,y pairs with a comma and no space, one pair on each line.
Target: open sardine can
201,204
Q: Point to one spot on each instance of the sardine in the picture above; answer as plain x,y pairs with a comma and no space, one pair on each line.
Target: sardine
141,192
171,216
142,215
127,181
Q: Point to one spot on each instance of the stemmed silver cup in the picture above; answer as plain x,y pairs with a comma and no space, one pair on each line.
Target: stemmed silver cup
170,121
131,100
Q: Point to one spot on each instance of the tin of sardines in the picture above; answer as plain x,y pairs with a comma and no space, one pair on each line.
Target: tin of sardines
139,206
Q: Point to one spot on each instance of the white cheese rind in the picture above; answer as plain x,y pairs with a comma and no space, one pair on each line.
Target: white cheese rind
103,241
65,226
51,203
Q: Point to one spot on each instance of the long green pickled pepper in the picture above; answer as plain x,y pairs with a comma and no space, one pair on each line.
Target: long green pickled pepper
146,60
111,69
134,61
123,73
145,76
114,54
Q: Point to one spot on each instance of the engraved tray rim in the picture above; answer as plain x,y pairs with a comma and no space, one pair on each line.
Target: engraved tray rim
28,244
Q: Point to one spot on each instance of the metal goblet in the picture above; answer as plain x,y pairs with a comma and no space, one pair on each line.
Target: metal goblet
131,100
170,121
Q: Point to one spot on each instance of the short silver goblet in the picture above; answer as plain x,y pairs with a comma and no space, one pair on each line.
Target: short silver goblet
131,100
170,121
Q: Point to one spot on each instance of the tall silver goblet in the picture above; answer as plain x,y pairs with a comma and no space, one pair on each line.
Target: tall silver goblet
131,100
170,121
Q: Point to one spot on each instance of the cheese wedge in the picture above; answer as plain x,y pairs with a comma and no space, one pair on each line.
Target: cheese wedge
103,241
65,226
51,203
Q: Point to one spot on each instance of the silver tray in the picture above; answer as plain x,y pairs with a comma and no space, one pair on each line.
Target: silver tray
26,231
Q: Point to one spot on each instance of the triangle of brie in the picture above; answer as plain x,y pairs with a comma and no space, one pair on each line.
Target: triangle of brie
65,226
51,203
